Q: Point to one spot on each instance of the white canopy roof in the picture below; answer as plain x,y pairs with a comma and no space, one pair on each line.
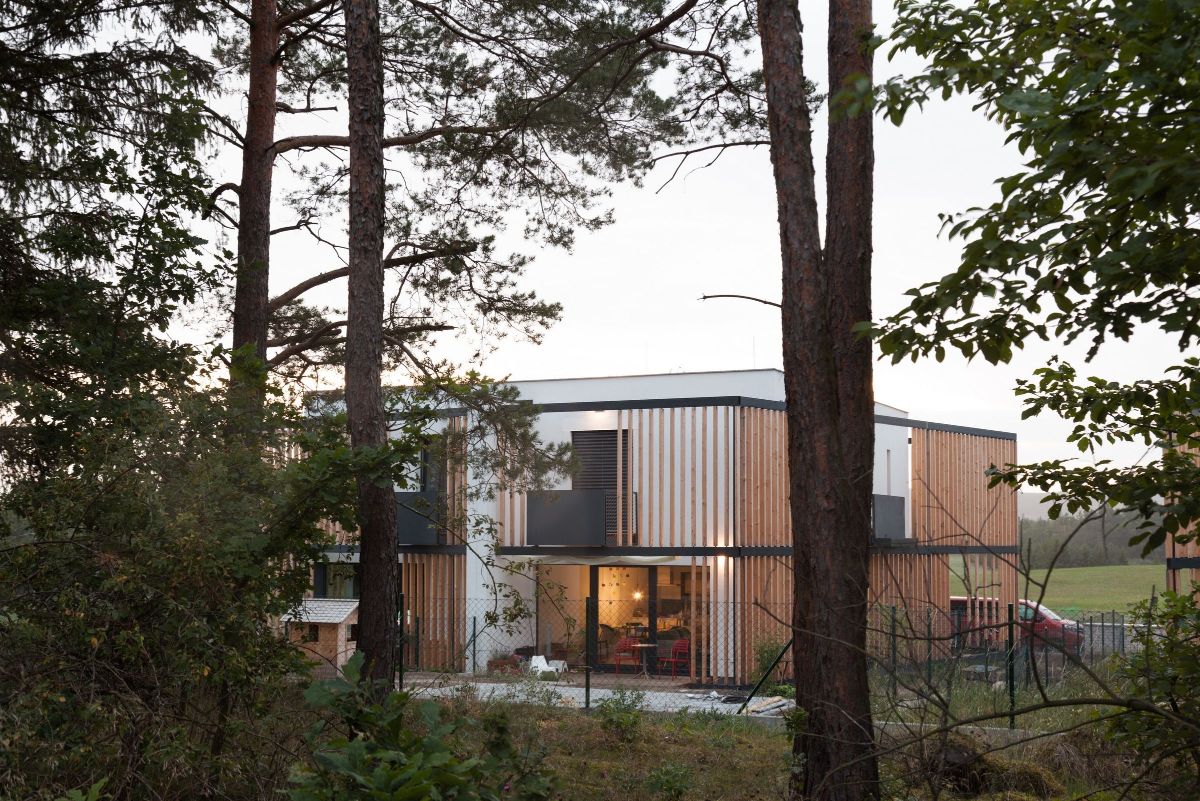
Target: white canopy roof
550,559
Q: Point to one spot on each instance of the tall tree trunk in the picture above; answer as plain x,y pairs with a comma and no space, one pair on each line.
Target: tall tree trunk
251,294
364,337
829,400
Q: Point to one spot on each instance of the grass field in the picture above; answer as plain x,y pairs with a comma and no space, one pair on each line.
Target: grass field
690,757
1091,588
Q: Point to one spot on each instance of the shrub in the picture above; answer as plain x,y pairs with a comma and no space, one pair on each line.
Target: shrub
1166,671
671,780
961,763
783,691
380,753
621,713
1023,777
138,586
529,689
765,654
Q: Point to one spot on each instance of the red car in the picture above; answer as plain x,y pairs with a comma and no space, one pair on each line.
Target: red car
1041,626
1048,628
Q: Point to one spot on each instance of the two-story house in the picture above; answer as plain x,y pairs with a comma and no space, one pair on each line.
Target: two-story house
676,527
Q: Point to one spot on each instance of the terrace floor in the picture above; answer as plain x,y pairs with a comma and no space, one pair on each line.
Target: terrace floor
660,693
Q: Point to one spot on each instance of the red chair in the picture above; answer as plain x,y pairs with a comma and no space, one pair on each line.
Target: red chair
681,656
626,647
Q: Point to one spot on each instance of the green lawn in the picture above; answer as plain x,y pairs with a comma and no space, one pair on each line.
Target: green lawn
1091,588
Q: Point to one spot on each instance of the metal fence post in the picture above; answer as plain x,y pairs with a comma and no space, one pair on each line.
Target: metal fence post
417,643
929,645
1011,670
763,679
895,661
1122,632
474,635
591,619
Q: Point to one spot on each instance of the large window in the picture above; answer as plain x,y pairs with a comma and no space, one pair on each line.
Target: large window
341,581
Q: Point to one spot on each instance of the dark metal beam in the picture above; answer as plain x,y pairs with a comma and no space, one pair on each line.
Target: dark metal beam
745,402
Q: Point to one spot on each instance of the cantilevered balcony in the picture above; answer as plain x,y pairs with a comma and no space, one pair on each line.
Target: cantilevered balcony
418,518
578,517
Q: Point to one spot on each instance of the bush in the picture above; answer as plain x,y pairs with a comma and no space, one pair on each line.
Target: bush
1023,778
671,780
963,764
1164,670
621,713
782,690
138,585
765,654
396,748
529,689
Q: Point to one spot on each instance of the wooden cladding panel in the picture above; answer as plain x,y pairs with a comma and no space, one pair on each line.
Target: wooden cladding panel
763,610
952,506
763,517
951,502
455,483
1181,580
434,610
909,580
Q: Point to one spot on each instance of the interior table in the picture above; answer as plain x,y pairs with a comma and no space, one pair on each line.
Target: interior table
646,648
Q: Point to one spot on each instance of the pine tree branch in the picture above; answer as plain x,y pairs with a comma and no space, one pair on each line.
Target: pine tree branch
228,125
286,108
321,338
299,289
303,13
314,141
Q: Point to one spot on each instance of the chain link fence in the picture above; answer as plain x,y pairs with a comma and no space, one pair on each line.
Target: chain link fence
730,657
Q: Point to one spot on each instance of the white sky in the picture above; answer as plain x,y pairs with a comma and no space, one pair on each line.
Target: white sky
630,292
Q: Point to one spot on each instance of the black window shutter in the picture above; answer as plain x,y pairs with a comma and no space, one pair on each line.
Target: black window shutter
597,455
596,452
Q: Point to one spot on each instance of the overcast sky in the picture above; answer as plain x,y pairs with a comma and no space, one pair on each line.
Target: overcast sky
630,292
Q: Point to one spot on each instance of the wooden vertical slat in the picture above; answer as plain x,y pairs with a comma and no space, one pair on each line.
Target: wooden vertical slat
691,527
641,487
620,484
672,481
704,530
635,433
727,511
662,487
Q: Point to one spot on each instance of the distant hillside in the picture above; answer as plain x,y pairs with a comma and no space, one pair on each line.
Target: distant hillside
1098,542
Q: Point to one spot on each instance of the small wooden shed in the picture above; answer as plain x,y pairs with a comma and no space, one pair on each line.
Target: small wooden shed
325,629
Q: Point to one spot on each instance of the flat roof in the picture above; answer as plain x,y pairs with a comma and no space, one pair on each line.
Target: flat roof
642,375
